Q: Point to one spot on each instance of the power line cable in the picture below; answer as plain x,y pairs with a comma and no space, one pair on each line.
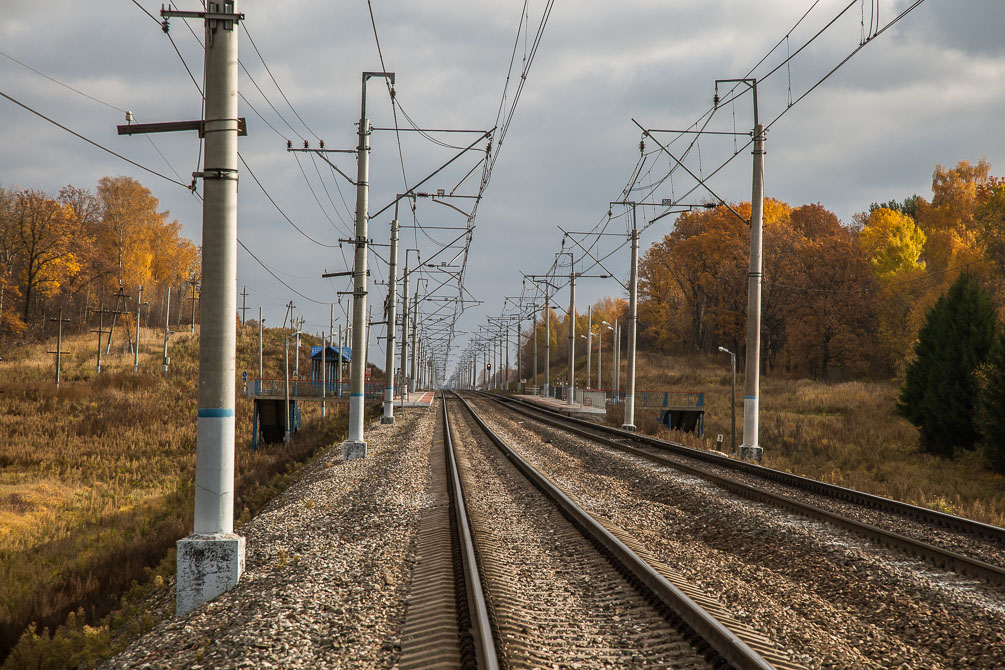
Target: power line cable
92,142
97,100
278,208
271,76
277,278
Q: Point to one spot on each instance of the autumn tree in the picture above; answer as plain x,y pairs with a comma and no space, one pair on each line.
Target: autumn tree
46,236
139,244
939,391
989,222
10,320
893,243
832,301
948,220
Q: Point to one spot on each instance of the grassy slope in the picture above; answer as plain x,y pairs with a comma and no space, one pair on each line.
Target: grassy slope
96,478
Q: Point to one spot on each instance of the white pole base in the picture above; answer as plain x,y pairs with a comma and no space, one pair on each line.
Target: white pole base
387,419
750,453
353,449
208,565
628,426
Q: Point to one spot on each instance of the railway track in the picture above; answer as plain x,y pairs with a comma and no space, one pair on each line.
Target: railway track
550,593
952,543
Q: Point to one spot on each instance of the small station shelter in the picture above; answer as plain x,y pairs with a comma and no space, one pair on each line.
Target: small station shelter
332,357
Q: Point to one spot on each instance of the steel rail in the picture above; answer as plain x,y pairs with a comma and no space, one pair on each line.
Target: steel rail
931,516
721,639
484,643
940,557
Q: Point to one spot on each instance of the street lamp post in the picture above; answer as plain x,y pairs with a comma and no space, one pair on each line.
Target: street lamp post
732,399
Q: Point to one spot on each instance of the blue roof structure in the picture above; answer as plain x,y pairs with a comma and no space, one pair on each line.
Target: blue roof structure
332,353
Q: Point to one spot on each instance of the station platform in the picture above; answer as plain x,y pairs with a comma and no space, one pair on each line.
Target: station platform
562,406
417,399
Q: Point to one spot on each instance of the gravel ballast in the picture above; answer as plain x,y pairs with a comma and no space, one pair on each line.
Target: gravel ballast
832,599
328,568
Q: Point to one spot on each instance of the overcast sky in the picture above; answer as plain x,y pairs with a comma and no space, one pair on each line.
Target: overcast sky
927,91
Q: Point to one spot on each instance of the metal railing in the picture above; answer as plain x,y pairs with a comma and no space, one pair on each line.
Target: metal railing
306,388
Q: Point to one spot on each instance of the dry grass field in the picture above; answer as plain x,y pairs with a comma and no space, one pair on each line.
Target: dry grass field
96,477
846,433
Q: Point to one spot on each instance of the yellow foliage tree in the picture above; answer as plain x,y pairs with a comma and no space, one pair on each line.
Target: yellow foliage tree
46,235
138,243
892,242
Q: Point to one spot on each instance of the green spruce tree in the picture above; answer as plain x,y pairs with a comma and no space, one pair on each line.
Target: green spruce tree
939,395
991,417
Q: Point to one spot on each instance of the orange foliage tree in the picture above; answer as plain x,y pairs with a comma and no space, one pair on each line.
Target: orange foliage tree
47,236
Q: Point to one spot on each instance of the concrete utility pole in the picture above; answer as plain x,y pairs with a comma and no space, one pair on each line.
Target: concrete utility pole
260,322
633,301
547,341
324,352
600,354
286,385
519,356
415,344
533,332
139,306
617,359
392,297
589,342
405,279
296,363
338,368
167,332
212,559
120,303
570,396
750,450
194,299
59,341
101,327
355,447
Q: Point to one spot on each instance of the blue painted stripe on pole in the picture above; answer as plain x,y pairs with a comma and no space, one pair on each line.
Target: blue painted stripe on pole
355,395
750,397
215,413
388,388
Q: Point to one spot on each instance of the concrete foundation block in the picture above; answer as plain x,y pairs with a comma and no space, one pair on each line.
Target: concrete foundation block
353,449
387,419
208,565
749,453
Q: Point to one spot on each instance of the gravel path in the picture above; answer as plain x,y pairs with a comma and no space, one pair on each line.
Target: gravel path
557,601
328,568
835,601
